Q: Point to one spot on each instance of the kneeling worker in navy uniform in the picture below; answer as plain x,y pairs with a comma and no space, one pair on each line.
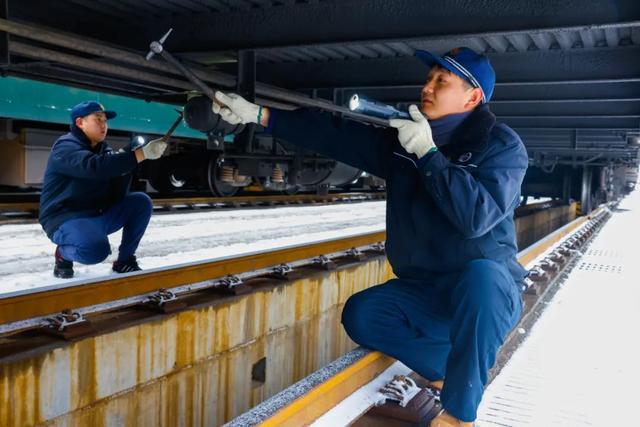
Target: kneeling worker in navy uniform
453,181
85,195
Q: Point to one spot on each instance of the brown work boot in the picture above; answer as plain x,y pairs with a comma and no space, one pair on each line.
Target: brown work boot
436,384
404,403
424,383
446,420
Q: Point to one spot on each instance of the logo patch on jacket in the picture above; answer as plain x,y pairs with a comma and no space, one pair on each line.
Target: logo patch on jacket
465,157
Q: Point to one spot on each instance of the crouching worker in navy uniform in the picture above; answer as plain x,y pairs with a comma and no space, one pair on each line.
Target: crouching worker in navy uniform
453,181
85,196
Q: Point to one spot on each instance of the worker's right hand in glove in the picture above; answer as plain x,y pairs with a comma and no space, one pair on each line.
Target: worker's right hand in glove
154,149
235,109
414,135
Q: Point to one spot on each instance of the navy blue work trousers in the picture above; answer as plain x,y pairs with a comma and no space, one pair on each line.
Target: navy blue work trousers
449,328
85,239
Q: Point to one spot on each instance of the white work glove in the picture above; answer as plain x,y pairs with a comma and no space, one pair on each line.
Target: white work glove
154,149
235,109
414,135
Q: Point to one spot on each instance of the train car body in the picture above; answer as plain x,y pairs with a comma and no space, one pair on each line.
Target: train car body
34,114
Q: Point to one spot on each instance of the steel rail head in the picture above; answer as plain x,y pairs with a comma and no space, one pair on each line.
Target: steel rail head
28,309
213,202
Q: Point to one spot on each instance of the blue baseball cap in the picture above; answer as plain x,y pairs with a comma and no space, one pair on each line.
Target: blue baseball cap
89,107
467,64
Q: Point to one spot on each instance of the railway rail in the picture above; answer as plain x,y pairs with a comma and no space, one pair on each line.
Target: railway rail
27,211
69,309
29,309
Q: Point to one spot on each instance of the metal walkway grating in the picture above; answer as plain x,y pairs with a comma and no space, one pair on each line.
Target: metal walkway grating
579,365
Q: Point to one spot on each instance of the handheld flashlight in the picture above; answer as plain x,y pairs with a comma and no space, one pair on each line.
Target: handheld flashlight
358,104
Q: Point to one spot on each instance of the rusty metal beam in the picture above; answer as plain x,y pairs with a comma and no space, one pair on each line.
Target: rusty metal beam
236,200
23,307
46,302
24,206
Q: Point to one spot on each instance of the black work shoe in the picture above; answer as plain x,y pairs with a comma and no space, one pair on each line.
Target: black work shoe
63,268
126,266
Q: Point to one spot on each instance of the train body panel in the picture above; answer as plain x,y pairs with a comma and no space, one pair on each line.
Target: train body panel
205,153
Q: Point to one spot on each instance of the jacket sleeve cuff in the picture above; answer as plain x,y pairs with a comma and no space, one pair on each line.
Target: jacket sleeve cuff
435,163
273,116
432,163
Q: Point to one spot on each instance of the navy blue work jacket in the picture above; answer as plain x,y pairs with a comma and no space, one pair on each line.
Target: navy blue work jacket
444,210
81,181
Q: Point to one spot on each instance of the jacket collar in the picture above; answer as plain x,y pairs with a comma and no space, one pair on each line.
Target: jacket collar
80,136
473,133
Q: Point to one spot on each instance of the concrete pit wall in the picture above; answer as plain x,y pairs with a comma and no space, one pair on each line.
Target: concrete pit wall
192,368
534,227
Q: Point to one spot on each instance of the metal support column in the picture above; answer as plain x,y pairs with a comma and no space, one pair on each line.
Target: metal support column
338,96
246,87
585,198
574,146
566,185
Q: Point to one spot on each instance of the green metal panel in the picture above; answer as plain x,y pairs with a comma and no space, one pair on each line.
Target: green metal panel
46,102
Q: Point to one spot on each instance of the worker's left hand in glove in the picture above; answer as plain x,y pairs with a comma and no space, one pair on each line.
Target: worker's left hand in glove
414,135
235,109
154,149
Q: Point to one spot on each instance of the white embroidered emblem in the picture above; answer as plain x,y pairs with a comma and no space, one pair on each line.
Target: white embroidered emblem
464,158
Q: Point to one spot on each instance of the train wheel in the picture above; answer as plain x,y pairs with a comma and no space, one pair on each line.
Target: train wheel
164,183
216,186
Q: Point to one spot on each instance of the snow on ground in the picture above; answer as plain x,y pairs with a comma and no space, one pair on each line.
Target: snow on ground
26,254
579,365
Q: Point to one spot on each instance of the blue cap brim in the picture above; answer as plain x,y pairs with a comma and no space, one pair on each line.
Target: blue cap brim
430,59
110,114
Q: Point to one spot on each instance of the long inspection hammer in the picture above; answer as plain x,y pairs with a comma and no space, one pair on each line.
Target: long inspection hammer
141,142
166,136
156,48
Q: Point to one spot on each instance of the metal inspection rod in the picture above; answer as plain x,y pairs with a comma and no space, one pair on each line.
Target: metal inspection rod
156,48
262,89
